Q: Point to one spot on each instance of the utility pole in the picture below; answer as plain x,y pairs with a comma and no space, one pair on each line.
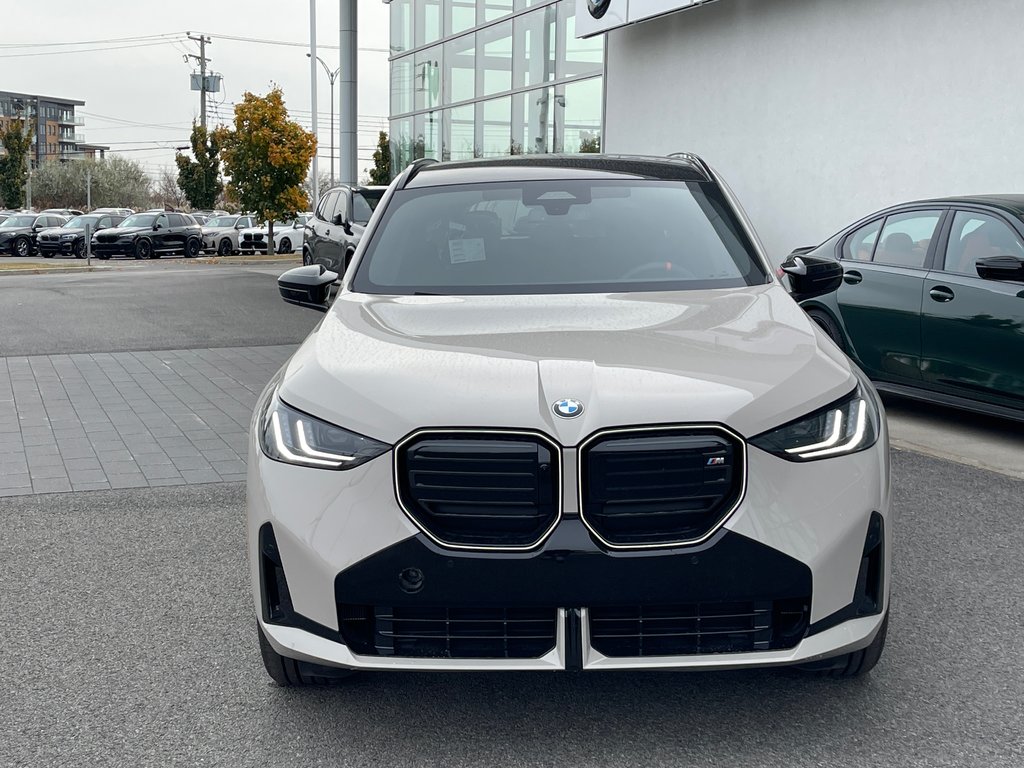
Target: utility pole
312,93
201,58
88,189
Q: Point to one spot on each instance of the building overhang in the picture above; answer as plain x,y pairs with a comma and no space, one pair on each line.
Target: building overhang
594,17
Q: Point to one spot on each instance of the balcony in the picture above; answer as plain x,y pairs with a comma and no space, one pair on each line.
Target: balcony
66,119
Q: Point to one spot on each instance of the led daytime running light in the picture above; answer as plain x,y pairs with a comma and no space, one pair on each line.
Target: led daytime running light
288,454
858,435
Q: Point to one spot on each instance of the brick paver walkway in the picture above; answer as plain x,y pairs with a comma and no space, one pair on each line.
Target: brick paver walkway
128,419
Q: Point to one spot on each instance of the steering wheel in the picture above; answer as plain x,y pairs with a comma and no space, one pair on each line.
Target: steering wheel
662,268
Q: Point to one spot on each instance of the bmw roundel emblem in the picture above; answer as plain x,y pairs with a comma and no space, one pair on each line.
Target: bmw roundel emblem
567,408
598,8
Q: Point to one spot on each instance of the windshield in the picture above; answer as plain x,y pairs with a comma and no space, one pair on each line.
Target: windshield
139,220
81,222
222,221
364,203
18,221
558,237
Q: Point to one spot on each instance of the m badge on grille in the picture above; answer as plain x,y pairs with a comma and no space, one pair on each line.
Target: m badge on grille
716,461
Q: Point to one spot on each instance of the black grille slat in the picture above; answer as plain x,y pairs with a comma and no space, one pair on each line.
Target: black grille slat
485,489
660,486
635,631
449,632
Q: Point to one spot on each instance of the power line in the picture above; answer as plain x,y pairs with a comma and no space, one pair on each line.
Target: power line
133,39
291,43
86,50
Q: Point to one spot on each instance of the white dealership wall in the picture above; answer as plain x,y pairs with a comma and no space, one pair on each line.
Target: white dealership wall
820,111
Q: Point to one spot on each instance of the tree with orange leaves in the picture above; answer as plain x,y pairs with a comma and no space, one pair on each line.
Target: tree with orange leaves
267,157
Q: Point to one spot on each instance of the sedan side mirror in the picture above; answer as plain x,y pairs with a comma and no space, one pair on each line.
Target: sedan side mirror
811,276
308,286
1001,268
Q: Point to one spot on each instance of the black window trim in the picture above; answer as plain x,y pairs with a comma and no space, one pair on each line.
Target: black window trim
884,216
938,265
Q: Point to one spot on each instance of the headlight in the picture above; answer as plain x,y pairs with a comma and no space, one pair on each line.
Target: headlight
293,437
846,426
67,237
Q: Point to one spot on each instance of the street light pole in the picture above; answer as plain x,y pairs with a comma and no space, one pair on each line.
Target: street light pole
331,77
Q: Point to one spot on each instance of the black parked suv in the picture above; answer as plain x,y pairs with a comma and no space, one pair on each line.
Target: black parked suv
338,222
70,239
19,231
149,236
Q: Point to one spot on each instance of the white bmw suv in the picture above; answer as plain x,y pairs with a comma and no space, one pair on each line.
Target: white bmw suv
560,414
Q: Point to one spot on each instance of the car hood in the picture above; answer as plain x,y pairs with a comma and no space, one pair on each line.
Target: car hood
62,231
123,230
217,230
384,366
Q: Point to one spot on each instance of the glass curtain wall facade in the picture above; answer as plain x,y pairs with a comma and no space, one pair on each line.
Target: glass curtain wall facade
484,78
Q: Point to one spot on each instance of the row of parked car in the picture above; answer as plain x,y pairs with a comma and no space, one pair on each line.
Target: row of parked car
143,235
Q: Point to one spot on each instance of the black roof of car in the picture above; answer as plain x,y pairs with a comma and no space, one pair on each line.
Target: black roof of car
1012,203
680,167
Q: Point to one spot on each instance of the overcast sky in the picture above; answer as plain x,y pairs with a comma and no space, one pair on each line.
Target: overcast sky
124,83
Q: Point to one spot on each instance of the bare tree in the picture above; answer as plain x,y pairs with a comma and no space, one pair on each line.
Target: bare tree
167,192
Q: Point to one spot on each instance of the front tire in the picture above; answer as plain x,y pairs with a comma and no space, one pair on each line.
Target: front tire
306,260
192,248
22,247
224,248
286,246
828,325
78,249
143,249
290,673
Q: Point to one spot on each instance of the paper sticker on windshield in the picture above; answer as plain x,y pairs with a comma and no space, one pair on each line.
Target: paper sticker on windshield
469,249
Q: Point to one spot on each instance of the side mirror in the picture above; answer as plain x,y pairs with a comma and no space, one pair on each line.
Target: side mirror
337,220
308,286
298,225
156,227
811,276
1001,268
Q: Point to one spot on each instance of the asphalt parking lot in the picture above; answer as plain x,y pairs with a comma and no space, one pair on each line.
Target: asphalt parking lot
128,624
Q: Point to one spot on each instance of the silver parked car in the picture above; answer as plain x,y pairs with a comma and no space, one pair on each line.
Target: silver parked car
561,414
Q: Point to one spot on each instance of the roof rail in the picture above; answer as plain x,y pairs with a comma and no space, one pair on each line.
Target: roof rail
415,167
693,160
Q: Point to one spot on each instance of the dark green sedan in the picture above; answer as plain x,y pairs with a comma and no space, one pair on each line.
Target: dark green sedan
932,300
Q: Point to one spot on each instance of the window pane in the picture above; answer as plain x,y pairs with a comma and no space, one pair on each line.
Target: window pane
860,245
489,10
401,144
461,133
401,25
459,70
428,135
533,122
581,121
976,236
427,79
534,38
494,67
497,130
905,238
402,85
428,21
581,57
459,15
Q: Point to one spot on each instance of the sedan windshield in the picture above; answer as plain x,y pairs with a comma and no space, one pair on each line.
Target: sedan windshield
222,221
558,237
139,220
18,221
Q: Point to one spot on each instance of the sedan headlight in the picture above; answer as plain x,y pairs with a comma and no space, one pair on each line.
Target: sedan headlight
67,237
294,437
846,426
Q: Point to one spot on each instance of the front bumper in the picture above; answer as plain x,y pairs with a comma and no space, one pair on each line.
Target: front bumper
114,249
56,246
798,538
